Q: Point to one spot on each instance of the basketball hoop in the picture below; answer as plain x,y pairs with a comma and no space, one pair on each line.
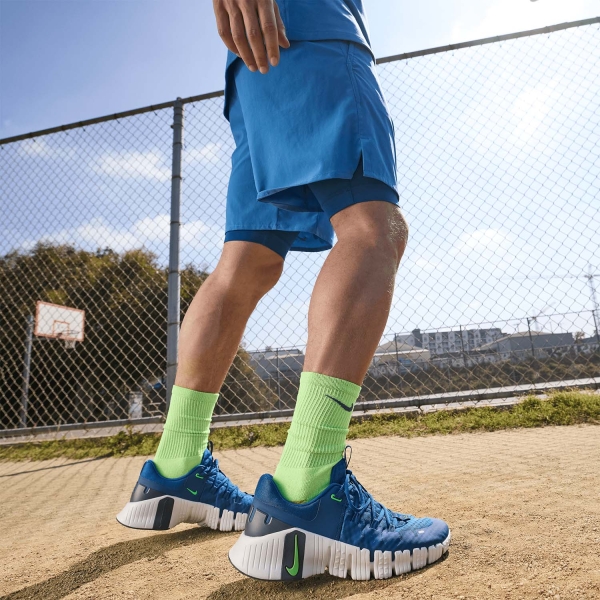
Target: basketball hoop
59,322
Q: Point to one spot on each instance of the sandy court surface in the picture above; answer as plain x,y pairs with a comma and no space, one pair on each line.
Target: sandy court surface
524,508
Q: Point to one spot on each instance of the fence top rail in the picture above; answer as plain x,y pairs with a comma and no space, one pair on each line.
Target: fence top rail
490,40
386,59
113,117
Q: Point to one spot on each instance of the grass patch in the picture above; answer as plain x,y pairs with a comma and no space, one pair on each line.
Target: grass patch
561,408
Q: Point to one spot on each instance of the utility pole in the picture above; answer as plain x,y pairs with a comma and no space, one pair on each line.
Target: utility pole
590,277
530,336
278,381
26,371
462,345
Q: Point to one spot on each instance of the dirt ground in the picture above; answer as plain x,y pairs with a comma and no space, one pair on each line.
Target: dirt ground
524,508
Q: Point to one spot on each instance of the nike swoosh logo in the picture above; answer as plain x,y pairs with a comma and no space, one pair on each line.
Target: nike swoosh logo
192,492
294,570
199,476
346,408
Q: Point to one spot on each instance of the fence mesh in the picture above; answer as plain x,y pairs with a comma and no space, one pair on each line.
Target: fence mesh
499,174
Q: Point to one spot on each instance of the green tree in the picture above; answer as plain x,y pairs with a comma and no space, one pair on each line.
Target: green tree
124,296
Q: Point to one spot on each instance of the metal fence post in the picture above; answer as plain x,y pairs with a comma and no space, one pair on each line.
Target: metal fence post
530,336
26,371
174,281
590,277
278,383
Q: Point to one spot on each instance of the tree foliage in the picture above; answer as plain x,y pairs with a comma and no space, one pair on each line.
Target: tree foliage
124,296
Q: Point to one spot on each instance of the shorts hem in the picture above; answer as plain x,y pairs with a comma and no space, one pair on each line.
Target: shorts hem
261,197
322,177
296,246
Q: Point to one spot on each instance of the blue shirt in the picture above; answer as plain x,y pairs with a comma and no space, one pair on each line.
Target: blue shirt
313,20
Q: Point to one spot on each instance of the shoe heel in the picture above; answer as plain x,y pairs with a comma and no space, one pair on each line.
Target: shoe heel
263,557
155,513
165,512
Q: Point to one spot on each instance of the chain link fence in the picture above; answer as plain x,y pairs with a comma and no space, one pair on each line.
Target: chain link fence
498,146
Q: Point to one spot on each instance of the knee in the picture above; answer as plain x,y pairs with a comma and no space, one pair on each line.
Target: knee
249,268
377,227
398,235
265,274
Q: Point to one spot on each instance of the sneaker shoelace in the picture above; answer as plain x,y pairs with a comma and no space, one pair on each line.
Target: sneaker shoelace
223,484
363,502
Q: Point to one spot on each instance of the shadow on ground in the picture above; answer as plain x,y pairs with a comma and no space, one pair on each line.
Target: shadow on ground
323,587
108,559
54,467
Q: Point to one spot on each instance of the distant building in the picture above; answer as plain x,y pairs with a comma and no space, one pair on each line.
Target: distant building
527,344
588,345
448,342
268,363
400,355
413,339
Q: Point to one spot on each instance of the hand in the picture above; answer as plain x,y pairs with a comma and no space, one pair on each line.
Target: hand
253,30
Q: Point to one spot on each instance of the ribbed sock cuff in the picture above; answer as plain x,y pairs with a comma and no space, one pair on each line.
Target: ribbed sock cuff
185,435
317,436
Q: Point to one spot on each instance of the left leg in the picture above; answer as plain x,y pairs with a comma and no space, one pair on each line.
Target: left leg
313,514
184,483
351,300
348,312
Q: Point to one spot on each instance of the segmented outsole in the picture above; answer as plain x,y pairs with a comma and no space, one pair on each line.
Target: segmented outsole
262,558
167,511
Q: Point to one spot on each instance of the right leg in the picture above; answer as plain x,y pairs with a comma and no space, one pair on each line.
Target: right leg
184,483
215,321
211,333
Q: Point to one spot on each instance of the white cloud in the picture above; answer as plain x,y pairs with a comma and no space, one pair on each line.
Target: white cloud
211,153
152,233
153,230
97,233
509,16
40,148
427,264
483,240
531,108
151,164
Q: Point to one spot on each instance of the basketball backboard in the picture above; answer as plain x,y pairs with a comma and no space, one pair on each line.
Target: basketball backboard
62,322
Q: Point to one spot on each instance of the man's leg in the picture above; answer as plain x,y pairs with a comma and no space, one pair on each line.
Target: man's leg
210,336
344,528
348,312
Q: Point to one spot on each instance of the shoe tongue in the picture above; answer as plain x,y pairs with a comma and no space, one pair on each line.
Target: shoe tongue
338,472
355,494
207,459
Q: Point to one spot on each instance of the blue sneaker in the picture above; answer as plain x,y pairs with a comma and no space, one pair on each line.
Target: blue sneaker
205,496
342,529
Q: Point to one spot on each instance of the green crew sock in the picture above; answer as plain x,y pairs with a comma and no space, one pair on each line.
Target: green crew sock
185,435
317,436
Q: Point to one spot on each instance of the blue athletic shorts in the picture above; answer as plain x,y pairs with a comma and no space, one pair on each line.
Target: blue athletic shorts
313,137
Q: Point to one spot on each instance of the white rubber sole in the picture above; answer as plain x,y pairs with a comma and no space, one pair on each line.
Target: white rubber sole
151,514
262,558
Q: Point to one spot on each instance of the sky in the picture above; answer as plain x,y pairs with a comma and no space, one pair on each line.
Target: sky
498,175
63,61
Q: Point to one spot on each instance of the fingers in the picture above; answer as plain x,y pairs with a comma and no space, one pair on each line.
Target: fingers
241,38
254,30
270,33
255,38
223,27
282,37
